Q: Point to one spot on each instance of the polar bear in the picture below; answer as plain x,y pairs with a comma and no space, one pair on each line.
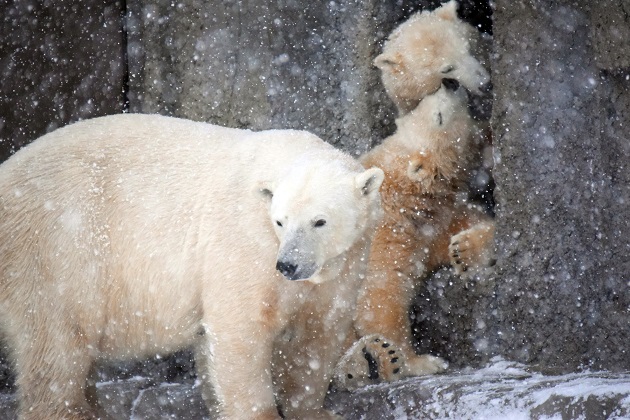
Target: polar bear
426,225
426,48
130,235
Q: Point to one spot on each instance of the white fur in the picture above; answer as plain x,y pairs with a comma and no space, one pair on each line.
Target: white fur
131,235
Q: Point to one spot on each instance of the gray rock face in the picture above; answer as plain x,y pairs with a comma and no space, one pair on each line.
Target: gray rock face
501,390
263,64
60,61
563,186
448,318
558,295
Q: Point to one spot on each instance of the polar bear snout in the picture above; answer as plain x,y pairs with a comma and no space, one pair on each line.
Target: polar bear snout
294,270
287,269
297,257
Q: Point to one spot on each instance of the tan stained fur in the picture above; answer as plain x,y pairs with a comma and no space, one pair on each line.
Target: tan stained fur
426,165
423,50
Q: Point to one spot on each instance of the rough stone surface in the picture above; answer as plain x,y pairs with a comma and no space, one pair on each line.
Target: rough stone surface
448,317
500,391
610,32
264,64
558,296
60,61
561,151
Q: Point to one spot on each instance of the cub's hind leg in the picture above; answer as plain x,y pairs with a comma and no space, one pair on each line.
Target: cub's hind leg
387,293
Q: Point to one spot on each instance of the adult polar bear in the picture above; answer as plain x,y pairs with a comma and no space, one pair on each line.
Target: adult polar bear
129,235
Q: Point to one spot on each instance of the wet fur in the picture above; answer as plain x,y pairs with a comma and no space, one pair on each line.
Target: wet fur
426,165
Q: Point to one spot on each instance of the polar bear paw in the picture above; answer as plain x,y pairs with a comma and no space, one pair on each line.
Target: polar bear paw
371,360
472,248
425,364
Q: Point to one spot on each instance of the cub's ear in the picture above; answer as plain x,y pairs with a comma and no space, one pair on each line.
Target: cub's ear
448,11
370,181
389,61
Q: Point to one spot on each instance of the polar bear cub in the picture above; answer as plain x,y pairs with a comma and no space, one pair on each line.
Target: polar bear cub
426,225
428,47
129,235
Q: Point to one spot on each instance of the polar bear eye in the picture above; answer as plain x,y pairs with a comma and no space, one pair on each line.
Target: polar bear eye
279,223
448,69
319,223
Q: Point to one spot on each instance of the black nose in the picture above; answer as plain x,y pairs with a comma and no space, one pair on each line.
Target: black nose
287,269
450,84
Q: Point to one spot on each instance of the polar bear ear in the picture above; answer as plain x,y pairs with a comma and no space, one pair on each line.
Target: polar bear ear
369,181
389,61
448,11
265,190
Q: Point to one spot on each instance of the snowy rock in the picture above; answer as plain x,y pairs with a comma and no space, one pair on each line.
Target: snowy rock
501,390
119,398
172,401
140,398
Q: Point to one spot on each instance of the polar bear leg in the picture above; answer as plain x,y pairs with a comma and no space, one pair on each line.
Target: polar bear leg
305,360
383,306
238,372
370,360
52,363
374,359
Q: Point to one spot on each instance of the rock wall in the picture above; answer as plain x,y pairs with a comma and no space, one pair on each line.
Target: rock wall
561,131
558,296
263,64
60,61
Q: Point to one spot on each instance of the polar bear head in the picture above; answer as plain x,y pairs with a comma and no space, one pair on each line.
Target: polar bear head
436,137
428,47
319,210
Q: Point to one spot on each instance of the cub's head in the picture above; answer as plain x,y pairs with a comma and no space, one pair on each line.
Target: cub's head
436,136
439,120
428,47
319,209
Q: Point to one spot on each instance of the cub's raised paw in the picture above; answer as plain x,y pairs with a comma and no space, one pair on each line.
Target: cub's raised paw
472,248
371,360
